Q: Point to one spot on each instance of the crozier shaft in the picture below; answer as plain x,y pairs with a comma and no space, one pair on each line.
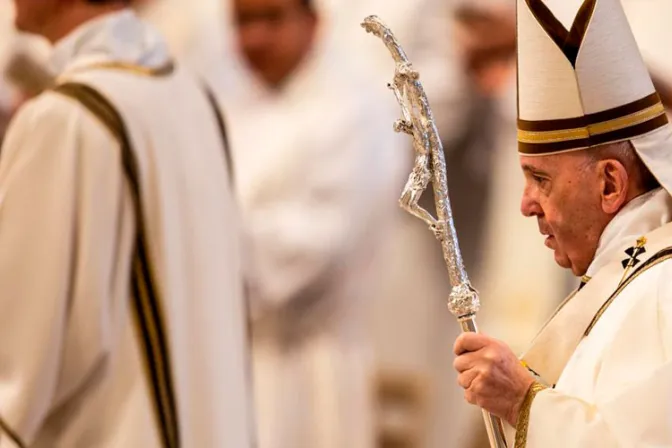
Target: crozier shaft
430,166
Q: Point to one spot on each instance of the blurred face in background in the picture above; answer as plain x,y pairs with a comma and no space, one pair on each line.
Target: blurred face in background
53,19
33,16
274,35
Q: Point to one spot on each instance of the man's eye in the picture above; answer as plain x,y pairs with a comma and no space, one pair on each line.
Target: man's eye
539,180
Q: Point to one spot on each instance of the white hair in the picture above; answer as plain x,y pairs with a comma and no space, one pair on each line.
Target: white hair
625,153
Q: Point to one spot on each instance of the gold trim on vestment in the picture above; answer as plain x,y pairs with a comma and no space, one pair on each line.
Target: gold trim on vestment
523,423
637,273
166,69
594,129
150,331
146,294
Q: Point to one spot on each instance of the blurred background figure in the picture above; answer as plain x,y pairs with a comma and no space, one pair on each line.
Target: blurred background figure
313,93
199,36
195,34
650,22
315,164
415,401
23,71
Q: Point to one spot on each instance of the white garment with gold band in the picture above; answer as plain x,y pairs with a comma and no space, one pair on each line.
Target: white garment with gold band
72,364
615,388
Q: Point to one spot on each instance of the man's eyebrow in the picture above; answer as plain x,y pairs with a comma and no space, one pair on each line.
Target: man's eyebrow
533,170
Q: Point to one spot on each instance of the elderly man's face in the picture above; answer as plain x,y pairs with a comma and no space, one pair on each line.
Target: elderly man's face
274,35
32,16
564,194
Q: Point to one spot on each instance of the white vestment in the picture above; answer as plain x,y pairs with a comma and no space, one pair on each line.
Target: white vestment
73,364
318,171
613,389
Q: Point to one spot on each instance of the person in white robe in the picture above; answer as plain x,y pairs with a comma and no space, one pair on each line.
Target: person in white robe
23,70
123,320
594,144
318,172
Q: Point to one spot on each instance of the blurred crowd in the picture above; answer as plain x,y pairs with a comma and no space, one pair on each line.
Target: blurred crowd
352,341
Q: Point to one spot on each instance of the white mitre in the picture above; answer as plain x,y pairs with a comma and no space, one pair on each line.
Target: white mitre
582,83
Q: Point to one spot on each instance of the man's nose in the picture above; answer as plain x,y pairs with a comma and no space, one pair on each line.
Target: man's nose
529,206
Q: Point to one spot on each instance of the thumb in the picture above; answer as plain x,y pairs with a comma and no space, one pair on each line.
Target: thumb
470,342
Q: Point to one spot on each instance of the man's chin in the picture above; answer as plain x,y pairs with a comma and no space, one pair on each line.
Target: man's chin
562,260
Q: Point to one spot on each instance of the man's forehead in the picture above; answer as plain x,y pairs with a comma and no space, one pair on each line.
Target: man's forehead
553,163
531,164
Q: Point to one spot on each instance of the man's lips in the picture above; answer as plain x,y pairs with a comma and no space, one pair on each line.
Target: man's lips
546,231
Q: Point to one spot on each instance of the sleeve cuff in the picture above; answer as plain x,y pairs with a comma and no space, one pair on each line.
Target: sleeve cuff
524,417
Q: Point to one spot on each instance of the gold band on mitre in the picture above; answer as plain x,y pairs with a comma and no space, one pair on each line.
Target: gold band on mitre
621,123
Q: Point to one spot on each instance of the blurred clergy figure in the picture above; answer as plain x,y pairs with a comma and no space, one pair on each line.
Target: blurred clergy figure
197,33
122,319
317,168
23,70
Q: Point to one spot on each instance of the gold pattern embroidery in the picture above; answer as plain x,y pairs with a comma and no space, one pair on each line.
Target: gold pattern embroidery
611,299
605,127
523,423
156,72
633,257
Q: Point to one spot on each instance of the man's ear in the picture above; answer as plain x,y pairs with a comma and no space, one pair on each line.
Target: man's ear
614,185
